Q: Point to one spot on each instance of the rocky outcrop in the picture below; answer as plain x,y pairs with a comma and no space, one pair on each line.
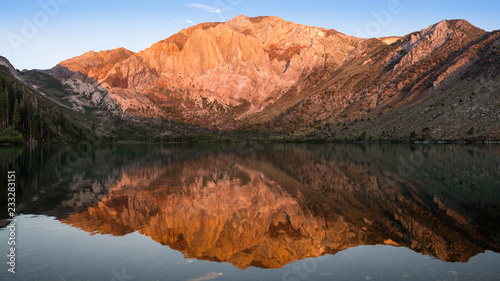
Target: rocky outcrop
91,94
74,90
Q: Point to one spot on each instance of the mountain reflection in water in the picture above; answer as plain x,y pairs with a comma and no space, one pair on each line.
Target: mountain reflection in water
291,202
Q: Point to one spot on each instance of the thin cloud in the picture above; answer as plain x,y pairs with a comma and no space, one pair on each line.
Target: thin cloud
184,21
204,7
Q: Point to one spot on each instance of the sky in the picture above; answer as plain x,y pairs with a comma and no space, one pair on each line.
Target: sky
38,34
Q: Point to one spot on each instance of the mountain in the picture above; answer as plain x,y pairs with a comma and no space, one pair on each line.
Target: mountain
27,116
246,62
59,105
265,73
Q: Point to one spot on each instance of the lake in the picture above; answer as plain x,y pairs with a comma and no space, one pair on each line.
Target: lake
253,212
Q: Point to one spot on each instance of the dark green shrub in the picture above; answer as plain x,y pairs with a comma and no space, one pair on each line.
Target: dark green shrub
11,136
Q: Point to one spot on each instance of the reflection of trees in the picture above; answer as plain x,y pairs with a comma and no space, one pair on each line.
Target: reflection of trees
60,179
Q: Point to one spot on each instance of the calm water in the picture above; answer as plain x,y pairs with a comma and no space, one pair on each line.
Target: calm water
229,212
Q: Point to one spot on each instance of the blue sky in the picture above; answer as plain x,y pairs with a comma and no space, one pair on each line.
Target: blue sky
40,33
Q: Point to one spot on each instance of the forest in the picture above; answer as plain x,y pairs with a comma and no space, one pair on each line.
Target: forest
27,118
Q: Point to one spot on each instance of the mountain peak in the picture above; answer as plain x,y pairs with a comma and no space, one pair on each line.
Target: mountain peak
5,62
120,50
242,20
456,25
239,17
96,64
10,68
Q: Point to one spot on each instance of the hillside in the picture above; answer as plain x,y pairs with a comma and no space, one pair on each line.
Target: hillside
27,117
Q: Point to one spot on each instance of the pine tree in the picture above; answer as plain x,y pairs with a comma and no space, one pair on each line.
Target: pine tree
7,107
3,107
42,125
16,118
25,114
93,130
60,120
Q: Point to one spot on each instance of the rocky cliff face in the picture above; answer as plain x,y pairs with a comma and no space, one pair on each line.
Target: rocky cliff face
81,75
252,72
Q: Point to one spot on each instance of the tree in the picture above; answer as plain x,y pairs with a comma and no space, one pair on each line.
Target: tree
9,135
413,135
425,132
471,131
362,137
3,107
60,121
42,125
7,107
93,130
16,116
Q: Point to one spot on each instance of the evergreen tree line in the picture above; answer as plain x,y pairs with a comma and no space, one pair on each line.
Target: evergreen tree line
23,111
